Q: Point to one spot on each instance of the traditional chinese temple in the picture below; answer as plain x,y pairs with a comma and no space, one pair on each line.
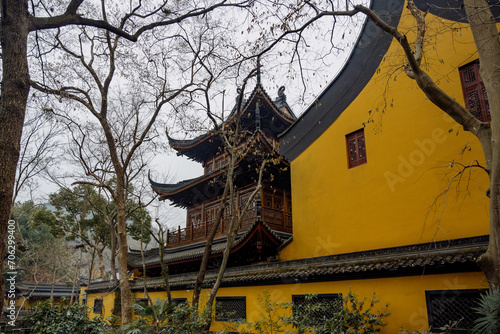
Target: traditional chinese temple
267,223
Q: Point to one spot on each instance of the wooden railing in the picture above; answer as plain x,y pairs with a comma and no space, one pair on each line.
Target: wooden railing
275,219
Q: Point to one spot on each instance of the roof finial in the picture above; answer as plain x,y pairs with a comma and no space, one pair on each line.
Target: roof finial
258,70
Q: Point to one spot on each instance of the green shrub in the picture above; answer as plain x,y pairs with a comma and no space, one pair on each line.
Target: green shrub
172,319
348,315
49,318
270,320
489,310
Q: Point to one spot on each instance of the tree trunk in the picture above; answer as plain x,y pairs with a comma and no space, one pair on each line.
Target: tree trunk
122,249
91,266
75,278
112,228
13,99
164,269
102,267
485,34
208,245
231,237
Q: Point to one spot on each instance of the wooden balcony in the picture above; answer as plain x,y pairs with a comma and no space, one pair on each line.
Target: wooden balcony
278,220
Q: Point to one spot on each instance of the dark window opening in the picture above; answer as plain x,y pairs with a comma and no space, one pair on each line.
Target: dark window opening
476,99
316,308
356,149
98,305
452,307
230,309
143,301
179,301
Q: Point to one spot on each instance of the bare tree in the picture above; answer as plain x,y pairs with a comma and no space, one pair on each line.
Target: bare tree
38,146
115,140
231,136
18,20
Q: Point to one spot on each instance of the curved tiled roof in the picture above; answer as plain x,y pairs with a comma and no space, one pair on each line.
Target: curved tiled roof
452,10
44,290
365,58
181,143
417,259
165,189
194,251
168,188
371,46
279,105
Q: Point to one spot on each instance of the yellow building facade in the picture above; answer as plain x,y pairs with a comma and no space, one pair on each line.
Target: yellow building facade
381,201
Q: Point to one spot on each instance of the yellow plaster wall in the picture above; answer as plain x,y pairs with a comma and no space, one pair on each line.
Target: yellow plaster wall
405,295
108,304
394,199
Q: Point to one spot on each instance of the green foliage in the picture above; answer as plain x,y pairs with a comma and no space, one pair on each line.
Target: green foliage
138,218
358,316
350,315
50,318
315,314
34,222
81,214
85,213
162,308
273,316
40,254
139,326
489,310
172,319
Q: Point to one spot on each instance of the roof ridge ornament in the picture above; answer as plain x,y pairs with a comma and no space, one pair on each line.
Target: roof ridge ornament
239,95
281,94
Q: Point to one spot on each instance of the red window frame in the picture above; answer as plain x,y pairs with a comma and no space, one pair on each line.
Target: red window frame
476,99
356,148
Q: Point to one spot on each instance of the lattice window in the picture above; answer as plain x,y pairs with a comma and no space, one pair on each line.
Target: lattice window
356,149
273,201
98,305
195,219
179,301
230,308
447,306
209,166
277,203
316,308
211,213
244,199
476,99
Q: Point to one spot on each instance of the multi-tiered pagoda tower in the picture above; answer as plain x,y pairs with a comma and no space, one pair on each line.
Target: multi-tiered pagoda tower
266,225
